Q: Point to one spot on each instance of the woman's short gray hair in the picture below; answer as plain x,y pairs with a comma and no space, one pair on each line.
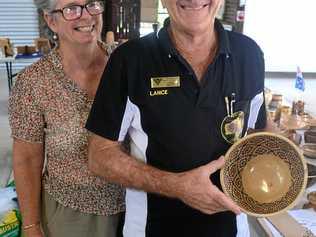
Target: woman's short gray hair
45,5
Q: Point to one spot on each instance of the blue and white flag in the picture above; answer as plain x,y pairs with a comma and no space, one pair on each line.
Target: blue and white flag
299,82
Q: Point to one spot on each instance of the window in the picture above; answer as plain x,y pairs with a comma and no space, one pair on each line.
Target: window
145,28
162,14
284,30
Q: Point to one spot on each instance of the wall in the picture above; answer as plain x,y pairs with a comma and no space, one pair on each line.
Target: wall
286,34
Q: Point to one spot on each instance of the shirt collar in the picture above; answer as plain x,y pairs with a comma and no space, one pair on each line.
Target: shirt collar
166,43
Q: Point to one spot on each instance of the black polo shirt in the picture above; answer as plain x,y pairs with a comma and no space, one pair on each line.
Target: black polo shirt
150,91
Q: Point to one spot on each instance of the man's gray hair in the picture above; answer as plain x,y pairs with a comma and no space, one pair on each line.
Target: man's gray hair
45,5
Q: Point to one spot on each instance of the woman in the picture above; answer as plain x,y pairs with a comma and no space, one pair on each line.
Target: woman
48,109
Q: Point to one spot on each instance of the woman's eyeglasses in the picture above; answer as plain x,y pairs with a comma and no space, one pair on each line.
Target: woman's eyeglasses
74,12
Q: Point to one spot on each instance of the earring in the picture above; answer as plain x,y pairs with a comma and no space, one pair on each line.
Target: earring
55,37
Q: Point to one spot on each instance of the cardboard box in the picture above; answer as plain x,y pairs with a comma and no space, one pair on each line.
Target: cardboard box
26,49
6,47
42,45
285,224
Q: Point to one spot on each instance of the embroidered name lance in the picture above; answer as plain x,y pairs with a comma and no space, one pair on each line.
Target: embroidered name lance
158,92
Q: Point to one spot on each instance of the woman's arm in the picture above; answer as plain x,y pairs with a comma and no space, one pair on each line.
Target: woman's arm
28,160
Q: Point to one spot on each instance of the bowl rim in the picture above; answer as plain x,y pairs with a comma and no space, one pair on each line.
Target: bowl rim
301,157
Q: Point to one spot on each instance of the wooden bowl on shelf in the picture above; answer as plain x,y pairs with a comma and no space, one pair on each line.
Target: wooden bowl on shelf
309,150
292,122
310,136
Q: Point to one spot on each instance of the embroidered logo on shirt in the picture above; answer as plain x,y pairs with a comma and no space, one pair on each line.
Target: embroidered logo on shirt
165,82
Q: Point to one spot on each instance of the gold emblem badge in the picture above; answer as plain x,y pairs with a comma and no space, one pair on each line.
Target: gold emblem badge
165,82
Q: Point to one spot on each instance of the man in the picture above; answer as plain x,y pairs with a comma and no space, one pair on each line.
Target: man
172,93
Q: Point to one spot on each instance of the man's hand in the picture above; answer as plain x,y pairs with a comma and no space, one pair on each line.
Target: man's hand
197,190
193,187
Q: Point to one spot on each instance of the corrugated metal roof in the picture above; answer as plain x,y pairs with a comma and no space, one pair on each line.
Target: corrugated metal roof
19,22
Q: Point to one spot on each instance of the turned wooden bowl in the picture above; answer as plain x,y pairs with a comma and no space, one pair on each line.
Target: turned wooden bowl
264,174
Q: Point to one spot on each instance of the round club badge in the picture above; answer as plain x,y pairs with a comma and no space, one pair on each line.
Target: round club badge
232,127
